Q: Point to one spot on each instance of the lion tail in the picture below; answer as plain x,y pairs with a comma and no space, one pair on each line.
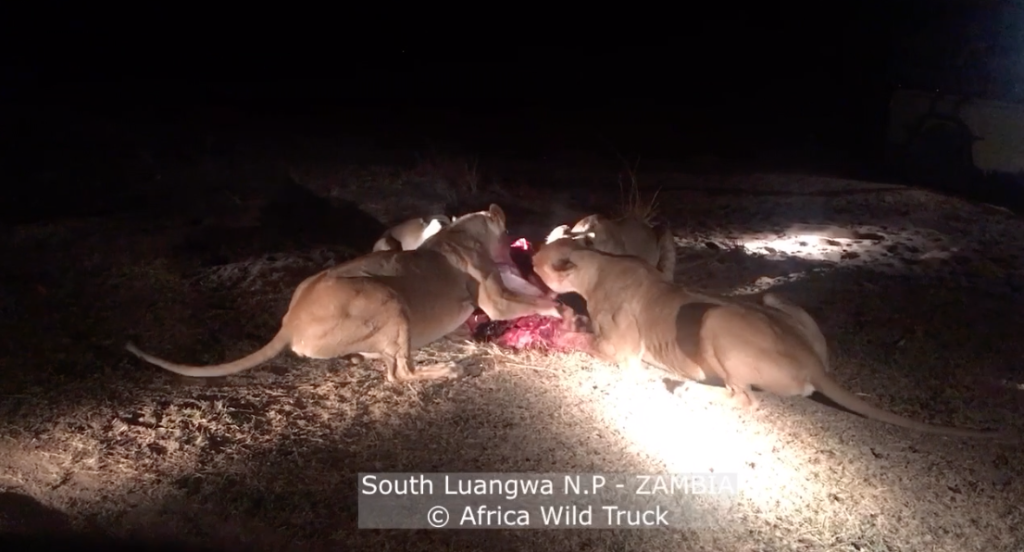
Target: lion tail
265,353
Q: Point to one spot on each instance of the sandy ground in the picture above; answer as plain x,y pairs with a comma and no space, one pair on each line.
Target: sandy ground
920,297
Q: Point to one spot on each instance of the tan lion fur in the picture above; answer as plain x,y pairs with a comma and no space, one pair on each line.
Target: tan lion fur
387,304
638,316
627,235
410,234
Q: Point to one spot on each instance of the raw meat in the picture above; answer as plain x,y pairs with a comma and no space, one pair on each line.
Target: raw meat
534,331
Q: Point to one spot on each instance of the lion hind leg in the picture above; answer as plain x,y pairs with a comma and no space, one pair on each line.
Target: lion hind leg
401,366
377,328
739,392
742,397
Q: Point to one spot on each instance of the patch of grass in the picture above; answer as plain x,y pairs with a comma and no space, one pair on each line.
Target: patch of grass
632,203
454,173
268,459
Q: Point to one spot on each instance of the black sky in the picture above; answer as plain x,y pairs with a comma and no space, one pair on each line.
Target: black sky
480,55
787,70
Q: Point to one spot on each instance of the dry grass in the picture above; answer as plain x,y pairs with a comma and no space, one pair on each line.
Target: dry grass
454,172
267,459
631,202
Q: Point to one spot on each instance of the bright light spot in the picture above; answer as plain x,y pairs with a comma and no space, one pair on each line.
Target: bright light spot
699,431
765,282
887,250
803,246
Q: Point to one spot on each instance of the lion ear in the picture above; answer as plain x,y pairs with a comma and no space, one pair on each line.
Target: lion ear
497,213
557,234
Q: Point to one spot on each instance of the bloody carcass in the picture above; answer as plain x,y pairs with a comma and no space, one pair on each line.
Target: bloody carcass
534,331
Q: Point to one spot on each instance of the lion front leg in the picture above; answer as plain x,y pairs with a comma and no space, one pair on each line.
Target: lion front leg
501,303
606,351
590,344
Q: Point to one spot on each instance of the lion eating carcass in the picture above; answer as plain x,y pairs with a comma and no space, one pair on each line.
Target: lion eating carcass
533,331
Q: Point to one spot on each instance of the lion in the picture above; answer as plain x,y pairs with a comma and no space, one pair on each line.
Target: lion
803,322
639,317
387,304
628,235
411,234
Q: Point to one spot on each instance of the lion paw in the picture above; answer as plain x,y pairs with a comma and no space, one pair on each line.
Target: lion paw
743,400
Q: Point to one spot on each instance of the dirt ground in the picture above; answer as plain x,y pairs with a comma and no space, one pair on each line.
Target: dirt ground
920,296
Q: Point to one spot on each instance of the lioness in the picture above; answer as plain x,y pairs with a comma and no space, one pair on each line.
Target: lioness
638,316
411,234
388,303
628,235
804,323
655,245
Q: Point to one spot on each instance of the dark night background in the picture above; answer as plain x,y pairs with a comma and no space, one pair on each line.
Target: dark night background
751,85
